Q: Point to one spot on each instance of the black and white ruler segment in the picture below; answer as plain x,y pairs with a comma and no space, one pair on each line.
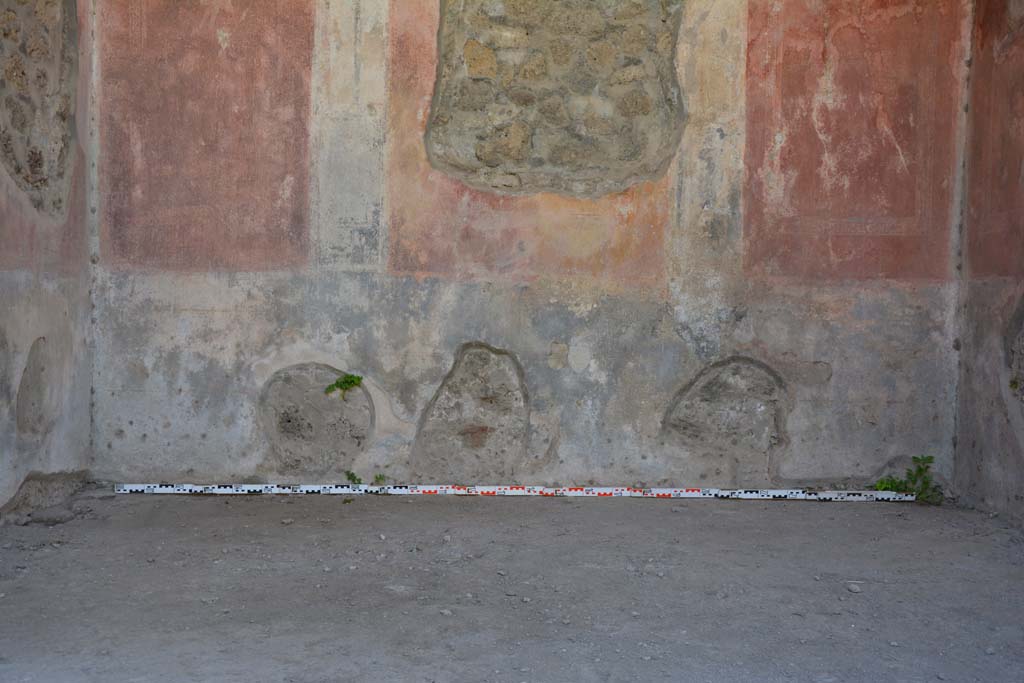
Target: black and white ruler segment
528,491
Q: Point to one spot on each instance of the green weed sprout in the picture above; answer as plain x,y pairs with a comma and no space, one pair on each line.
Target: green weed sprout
344,384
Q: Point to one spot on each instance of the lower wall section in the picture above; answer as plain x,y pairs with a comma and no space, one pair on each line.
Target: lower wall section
218,377
990,452
44,378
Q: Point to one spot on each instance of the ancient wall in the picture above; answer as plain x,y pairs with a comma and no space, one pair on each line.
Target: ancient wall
699,242
703,241
45,360
990,449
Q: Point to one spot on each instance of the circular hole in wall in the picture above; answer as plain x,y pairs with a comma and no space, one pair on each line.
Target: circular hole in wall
311,432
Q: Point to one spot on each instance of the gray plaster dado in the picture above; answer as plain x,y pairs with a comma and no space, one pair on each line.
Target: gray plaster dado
182,359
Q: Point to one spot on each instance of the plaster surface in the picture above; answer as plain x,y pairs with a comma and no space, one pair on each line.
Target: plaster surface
851,137
212,166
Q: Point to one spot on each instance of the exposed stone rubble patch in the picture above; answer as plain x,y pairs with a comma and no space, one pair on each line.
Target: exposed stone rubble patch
729,420
38,68
311,432
475,429
577,97
43,499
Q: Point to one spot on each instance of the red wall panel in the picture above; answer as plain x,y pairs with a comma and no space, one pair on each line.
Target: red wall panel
995,243
851,124
204,121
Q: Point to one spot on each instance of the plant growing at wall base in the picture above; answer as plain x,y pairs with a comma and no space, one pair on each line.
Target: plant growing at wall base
918,482
353,478
344,384
380,480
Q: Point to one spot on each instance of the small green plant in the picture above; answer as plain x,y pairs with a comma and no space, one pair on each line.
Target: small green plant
380,480
918,482
352,478
344,384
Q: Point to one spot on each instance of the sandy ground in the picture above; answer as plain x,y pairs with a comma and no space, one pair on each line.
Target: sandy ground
387,589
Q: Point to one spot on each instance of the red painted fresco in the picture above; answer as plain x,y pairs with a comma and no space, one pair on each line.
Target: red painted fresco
18,229
995,243
851,123
442,228
204,151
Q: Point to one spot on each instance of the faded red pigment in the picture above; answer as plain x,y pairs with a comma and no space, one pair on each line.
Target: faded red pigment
204,127
852,111
34,241
995,243
442,228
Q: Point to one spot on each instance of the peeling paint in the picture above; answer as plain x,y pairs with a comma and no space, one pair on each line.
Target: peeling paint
851,116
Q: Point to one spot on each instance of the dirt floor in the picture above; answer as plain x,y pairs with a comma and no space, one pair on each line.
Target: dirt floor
385,589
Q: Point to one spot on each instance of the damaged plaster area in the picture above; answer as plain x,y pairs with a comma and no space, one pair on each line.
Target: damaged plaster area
476,427
1017,367
575,97
6,373
35,410
42,385
38,66
311,432
730,420
1015,352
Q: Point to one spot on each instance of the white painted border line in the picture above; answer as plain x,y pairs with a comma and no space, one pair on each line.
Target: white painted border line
535,491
